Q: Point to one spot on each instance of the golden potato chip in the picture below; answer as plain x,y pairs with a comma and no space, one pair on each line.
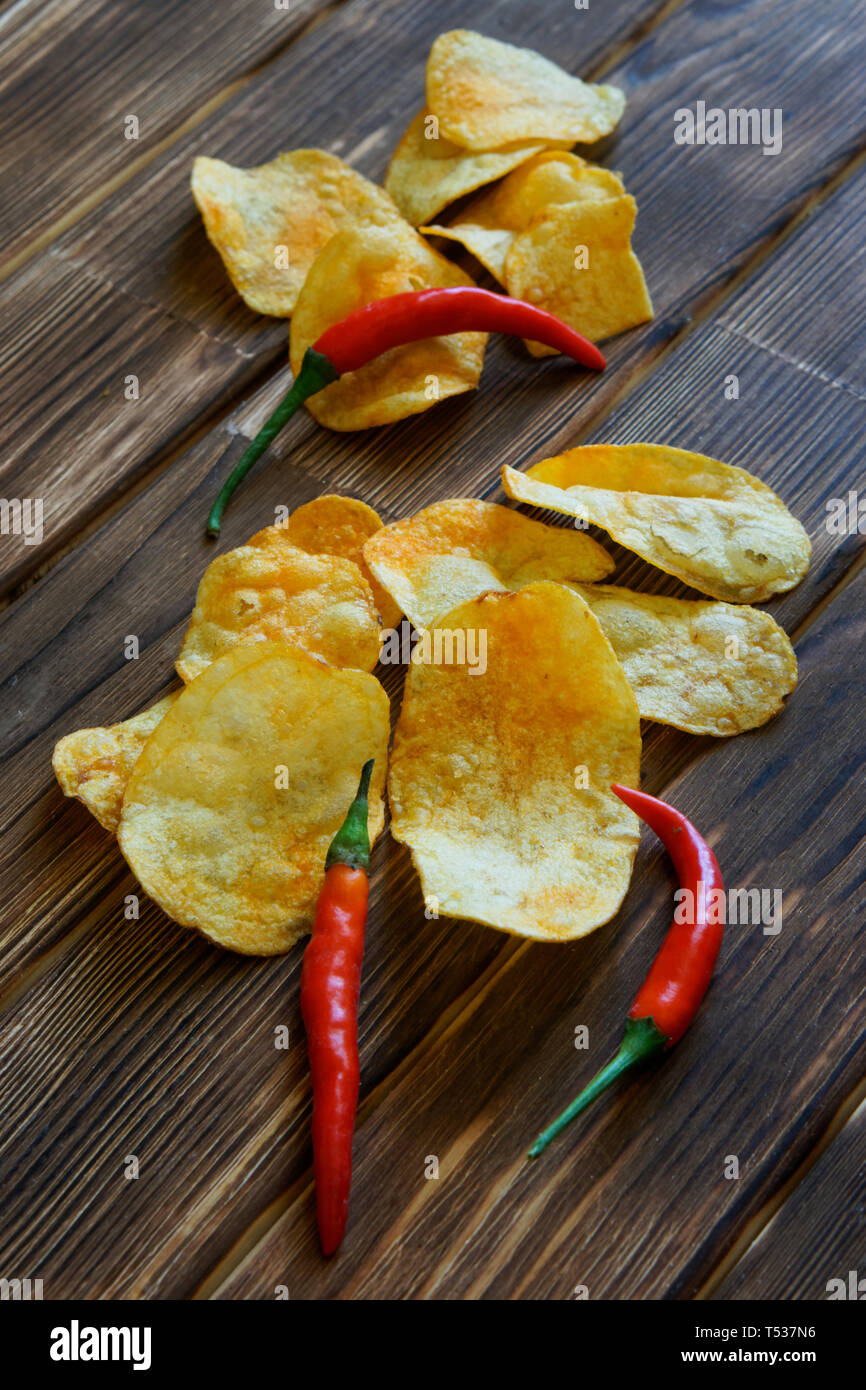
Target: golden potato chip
427,172
265,593
576,261
488,224
268,223
94,764
716,527
333,525
455,550
708,668
361,264
231,807
501,770
487,93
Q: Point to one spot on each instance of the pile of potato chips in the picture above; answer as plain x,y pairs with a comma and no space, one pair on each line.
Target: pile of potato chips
528,676
309,238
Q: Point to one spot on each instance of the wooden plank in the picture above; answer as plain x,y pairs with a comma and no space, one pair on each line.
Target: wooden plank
147,238
634,1203
818,1236
71,71
416,971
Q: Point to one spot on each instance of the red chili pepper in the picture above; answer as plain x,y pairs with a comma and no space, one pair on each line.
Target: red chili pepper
330,984
387,323
668,999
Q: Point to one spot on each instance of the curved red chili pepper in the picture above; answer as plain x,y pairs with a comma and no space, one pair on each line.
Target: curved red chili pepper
391,322
330,985
678,978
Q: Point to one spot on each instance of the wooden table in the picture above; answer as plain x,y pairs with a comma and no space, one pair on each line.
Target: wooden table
134,1037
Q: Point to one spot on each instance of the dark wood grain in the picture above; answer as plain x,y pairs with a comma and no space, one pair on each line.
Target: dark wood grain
121,1037
818,1236
71,71
147,239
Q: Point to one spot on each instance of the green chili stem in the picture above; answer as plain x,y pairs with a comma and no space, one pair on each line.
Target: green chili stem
351,844
642,1040
317,372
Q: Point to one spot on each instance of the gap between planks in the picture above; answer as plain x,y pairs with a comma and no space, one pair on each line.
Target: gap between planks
758,1226
135,166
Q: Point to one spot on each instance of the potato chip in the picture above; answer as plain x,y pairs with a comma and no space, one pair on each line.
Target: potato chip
94,764
361,264
714,526
488,224
500,773
576,261
427,172
333,525
455,550
232,805
487,93
708,668
266,593
268,223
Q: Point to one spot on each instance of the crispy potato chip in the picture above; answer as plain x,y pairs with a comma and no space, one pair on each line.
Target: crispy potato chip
263,593
576,261
500,780
333,525
488,224
231,807
427,172
708,668
487,93
269,223
455,550
94,764
716,527
361,264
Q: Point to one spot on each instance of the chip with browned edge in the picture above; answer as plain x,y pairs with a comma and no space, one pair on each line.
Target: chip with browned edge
576,261
369,262
94,764
260,593
487,93
706,667
427,172
239,791
714,526
334,525
269,223
455,550
501,768
488,224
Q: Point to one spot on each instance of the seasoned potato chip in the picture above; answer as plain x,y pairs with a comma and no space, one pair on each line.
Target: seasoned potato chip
500,780
332,525
231,807
269,223
576,261
708,668
94,764
488,224
361,264
267,593
455,550
427,172
716,527
487,93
